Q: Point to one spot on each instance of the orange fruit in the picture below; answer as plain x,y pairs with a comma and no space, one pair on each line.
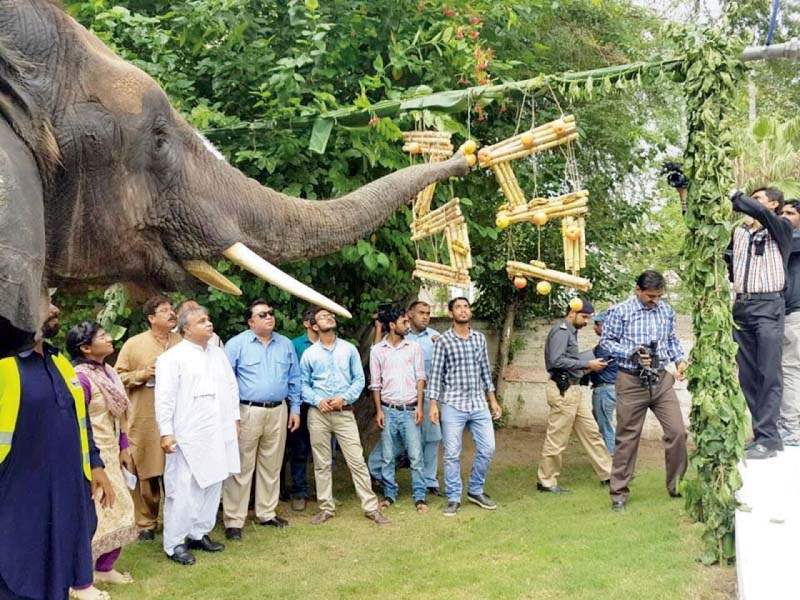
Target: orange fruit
414,148
502,221
576,304
540,217
469,147
527,139
471,160
543,288
520,282
573,233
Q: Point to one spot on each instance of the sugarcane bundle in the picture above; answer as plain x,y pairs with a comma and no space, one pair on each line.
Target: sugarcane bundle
540,210
509,185
435,144
538,270
573,232
438,273
436,220
458,246
536,139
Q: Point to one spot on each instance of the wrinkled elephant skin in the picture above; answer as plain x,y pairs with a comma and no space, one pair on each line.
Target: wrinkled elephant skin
104,182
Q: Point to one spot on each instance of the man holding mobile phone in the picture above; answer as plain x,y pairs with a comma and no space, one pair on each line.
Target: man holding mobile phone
569,406
604,396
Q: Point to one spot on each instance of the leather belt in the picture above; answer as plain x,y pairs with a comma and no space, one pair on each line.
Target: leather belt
636,372
403,407
261,404
759,296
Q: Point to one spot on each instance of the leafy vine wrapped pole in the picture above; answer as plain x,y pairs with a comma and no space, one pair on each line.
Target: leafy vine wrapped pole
713,72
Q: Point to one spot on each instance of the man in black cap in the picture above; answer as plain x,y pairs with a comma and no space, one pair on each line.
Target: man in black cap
570,409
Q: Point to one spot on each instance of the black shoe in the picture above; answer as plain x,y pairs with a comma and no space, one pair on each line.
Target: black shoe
233,533
482,500
180,554
451,510
618,506
275,521
435,491
284,497
760,452
147,535
205,544
556,489
605,483
675,494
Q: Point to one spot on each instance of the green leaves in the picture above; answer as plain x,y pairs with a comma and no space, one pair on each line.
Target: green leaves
718,416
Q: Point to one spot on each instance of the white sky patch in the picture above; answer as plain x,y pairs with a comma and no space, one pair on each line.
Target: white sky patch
210,147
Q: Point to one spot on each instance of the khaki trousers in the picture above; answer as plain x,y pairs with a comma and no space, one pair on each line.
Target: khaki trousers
262,439
343,425
146,500
633,400
790,403
568,413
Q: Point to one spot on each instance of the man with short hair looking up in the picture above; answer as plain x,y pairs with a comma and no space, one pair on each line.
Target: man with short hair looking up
461,381
266,369
333,378
761,249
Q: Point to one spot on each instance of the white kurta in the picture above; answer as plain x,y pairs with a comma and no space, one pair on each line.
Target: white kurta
197,401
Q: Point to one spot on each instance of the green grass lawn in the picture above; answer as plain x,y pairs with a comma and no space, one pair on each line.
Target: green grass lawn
533,546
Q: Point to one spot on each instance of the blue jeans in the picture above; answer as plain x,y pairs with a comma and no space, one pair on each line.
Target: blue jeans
430,455
479,422
604,403
399,430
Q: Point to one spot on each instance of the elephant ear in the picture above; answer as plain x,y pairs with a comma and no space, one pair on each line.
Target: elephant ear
22,243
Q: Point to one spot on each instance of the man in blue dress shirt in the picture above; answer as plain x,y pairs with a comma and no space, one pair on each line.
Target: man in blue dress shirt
267,372
332,380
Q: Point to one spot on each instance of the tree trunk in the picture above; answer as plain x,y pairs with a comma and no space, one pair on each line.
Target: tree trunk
504,347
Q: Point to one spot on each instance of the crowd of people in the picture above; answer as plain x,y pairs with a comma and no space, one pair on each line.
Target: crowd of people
91,454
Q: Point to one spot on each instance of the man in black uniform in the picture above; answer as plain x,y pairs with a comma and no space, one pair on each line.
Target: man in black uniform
570,408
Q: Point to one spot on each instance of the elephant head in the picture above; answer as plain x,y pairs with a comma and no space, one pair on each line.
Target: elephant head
102,181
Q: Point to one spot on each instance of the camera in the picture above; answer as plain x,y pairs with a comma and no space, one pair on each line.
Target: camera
675,176
648,375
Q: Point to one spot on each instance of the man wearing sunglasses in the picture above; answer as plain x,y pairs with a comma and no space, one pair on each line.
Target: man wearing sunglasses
266,369
332,379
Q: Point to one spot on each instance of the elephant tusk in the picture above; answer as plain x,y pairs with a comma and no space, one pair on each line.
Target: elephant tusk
208,274
241,255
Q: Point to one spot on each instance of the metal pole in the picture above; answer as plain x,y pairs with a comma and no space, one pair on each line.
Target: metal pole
790,49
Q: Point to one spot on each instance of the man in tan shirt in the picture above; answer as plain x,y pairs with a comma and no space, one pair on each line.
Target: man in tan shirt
136,366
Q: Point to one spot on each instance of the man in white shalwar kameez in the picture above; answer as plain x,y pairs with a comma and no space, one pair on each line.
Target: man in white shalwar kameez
197,409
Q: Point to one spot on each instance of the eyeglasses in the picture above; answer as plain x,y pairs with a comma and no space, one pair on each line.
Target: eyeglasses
325,316
265,313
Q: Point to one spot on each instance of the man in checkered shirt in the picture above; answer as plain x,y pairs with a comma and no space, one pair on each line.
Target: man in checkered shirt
461,382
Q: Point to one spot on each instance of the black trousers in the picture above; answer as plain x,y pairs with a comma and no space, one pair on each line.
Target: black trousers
297,453
760,339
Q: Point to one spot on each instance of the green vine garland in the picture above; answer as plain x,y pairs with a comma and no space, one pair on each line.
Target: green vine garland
713,74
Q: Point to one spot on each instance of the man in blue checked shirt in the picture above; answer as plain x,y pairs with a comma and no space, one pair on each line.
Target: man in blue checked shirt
332,380
461,382
266,369
628,335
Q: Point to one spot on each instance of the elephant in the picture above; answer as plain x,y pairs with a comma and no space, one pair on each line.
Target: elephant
102,181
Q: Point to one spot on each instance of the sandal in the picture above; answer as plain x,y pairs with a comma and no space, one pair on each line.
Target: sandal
422,506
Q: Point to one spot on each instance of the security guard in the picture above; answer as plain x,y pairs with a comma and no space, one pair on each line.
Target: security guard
570,408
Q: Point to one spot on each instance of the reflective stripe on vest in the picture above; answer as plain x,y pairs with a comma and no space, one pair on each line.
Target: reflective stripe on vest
10,391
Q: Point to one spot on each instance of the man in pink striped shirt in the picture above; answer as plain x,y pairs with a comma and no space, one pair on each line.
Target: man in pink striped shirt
397,372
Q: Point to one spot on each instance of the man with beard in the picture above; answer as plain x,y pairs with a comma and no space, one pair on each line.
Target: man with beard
136,366
50,471
332,379
197,410
397,374
461,381
570,409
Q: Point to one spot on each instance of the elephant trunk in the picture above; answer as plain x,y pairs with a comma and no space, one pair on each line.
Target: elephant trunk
282,228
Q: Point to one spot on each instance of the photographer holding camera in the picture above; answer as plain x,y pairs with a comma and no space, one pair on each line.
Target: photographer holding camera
640,334
761,249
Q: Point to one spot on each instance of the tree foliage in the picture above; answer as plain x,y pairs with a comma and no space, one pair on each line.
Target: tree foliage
714,73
